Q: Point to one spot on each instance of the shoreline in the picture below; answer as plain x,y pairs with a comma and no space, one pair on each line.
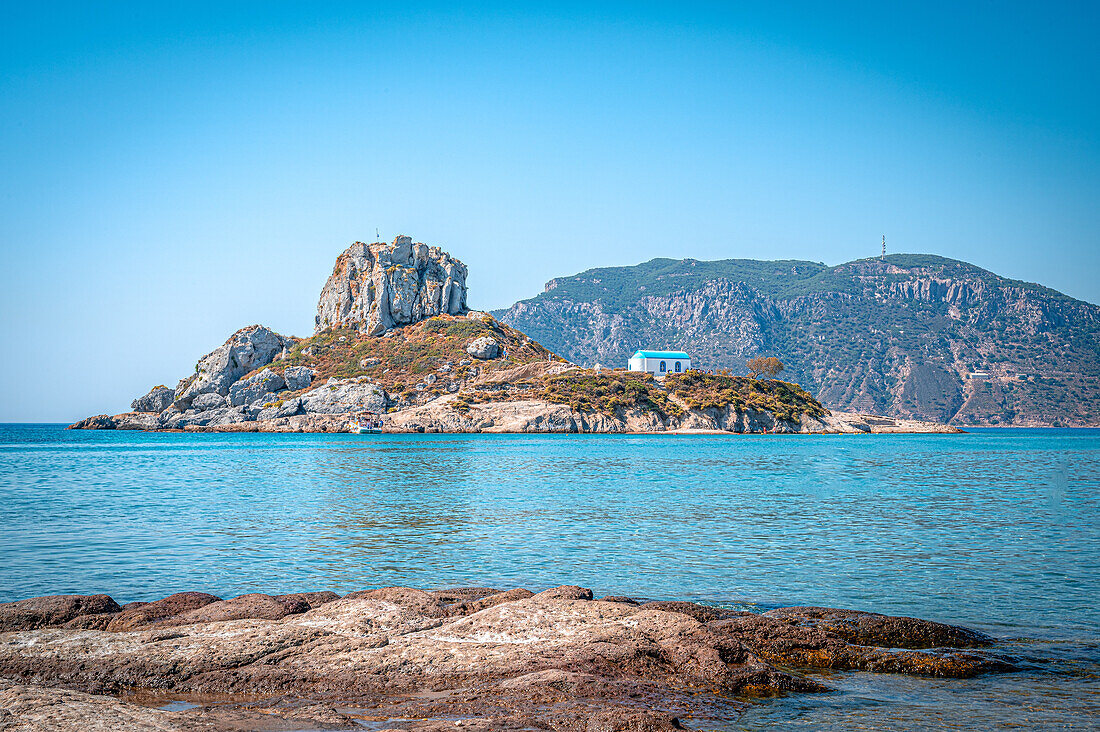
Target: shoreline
535,417
497,659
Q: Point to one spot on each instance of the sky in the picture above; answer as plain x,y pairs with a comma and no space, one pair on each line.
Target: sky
173,172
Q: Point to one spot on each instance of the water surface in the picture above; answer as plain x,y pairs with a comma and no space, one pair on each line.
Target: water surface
998,530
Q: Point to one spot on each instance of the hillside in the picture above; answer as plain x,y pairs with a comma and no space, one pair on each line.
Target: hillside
394,336
896,336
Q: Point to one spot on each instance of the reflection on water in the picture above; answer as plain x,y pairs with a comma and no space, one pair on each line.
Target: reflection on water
996,530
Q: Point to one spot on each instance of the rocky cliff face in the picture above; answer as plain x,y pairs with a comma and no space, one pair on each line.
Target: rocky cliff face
897,336
374,287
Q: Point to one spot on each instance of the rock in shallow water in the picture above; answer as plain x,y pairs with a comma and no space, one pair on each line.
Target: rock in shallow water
52,610
513,659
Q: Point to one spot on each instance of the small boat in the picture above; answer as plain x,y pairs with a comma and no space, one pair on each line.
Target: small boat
367,424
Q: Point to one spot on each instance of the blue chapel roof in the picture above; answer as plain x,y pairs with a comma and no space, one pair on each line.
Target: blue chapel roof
660,354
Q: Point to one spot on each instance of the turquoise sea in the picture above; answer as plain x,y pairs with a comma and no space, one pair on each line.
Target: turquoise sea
997,530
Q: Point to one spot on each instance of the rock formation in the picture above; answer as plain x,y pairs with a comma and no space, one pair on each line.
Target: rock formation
247,349
375,287
555,660
158,399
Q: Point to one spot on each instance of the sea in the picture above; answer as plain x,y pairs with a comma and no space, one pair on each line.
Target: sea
996,529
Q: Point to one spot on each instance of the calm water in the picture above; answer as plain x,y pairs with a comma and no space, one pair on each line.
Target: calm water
998,530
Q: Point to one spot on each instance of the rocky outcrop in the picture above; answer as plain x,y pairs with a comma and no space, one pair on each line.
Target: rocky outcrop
255,387
375,287
495,660
52,610
247,349
344,397
298,377
158,399
483,348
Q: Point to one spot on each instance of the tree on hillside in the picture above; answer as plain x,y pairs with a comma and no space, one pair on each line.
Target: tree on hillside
761,366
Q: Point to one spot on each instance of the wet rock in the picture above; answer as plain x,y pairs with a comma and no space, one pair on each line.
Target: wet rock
463,594
872,629
313,599
143,614
702,613
472,606
52,610
158,399
792,644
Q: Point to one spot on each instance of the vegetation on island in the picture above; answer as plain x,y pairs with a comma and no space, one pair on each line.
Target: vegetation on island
610,392
702,391
769,366
418,363
413,363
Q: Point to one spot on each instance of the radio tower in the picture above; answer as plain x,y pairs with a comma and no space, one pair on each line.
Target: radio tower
883,247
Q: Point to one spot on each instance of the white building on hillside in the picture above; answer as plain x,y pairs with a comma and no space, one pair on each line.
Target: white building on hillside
659,363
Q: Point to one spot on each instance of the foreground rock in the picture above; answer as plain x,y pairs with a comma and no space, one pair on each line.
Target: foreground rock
495,660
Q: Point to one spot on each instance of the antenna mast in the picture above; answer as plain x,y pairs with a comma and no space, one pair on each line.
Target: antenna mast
376,234
883,247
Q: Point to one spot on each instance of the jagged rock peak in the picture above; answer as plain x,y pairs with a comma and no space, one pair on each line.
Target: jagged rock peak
374,287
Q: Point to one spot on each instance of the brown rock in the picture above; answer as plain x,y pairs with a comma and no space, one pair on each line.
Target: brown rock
143,614
313,599
508,660
872,629
253,605
463,594
566,592
789,644
43,612
98,422
702,613
482,603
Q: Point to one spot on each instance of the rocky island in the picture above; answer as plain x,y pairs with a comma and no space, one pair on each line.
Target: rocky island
394,337
473,658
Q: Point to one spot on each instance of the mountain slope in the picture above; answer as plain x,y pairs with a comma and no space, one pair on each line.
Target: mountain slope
896,336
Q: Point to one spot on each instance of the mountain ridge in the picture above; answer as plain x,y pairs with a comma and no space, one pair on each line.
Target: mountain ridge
895,335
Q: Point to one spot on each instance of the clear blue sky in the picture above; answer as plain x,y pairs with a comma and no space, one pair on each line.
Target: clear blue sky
172,174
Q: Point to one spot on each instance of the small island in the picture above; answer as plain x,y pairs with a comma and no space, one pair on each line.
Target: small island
395,340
